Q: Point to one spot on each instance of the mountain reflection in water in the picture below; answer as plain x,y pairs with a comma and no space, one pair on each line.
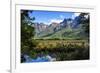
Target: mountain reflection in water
45,58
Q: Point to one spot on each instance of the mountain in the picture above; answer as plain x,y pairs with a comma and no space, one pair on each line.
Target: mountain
39,27
67,29
81,19
66,23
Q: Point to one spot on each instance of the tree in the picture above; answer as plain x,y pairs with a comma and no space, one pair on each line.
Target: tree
85,21
27,31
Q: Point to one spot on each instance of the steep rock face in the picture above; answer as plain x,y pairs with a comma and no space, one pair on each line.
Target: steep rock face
39,27
66,22
53,26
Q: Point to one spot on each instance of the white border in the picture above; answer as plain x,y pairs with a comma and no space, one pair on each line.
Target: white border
16,66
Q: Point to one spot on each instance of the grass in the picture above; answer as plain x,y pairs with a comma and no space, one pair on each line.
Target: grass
62,49
51,44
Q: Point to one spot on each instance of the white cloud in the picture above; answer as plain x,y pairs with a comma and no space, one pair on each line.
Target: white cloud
75,15
86,16
56,20
62,17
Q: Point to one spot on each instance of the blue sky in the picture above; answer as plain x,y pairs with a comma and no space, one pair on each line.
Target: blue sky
48,17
